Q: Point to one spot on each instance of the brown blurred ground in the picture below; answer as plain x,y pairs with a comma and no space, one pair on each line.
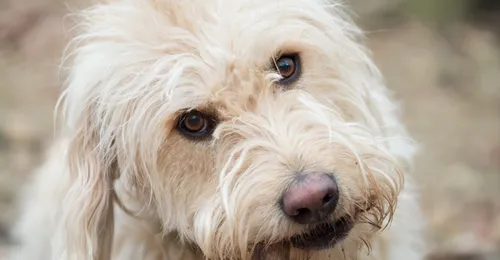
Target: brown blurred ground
446,72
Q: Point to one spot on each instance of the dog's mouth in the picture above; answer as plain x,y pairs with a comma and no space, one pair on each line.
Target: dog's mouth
324,235
321,236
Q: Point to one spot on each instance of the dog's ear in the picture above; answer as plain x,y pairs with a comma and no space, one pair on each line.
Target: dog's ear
88,223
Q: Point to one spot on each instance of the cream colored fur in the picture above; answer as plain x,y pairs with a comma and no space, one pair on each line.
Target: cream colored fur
121,183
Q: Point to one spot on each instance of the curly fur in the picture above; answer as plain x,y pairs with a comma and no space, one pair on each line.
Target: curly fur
122,183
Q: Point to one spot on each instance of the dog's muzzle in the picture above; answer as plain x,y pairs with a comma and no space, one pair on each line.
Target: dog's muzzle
311,200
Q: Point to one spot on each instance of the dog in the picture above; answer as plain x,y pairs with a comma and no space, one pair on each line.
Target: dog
223,129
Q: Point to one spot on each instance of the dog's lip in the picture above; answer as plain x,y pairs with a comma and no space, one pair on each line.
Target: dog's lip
324,235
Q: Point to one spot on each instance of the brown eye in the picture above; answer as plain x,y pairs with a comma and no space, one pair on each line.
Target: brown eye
196,124
288,67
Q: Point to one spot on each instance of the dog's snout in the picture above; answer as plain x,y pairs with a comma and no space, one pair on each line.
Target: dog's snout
311,199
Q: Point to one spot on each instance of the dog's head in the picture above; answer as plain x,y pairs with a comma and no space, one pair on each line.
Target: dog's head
239,124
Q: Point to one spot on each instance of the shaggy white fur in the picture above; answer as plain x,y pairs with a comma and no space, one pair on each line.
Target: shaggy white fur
123,181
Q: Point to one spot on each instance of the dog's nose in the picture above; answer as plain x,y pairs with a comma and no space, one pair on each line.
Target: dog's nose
311,199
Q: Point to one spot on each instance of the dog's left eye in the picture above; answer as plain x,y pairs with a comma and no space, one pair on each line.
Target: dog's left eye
196,124
288,66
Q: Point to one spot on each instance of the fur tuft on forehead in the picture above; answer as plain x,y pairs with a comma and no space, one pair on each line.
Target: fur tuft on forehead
191,60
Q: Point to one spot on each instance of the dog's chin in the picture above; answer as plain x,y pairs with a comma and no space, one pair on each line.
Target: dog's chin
324,235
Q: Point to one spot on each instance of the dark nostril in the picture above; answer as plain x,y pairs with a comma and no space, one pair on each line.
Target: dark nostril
302,211
327,199
312,198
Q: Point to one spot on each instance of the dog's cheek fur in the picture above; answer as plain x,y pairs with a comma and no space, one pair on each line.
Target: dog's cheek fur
184,183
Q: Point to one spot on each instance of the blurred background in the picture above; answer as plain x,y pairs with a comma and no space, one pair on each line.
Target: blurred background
442,57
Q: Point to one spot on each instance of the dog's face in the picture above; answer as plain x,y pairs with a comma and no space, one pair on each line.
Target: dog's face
240,124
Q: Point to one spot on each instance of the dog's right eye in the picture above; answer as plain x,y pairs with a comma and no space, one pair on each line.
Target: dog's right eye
196,124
